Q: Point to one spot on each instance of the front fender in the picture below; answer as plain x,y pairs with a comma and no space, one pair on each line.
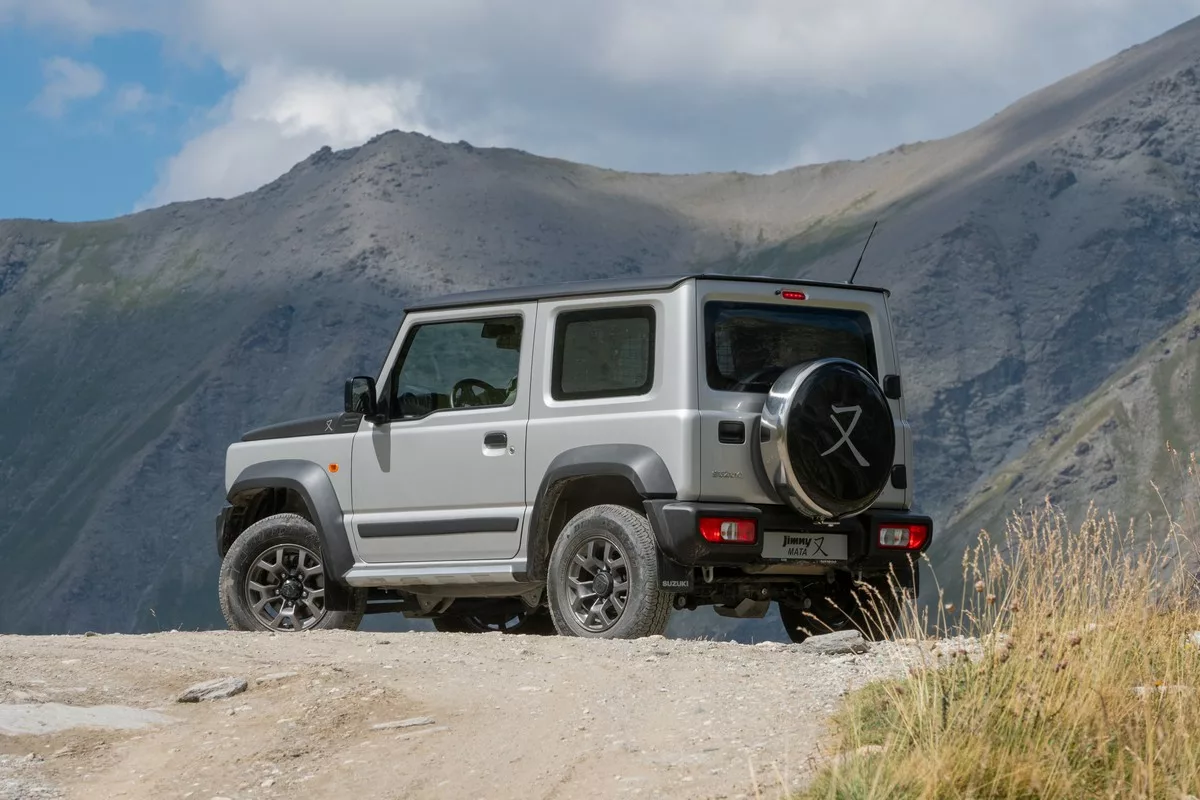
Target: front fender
312,484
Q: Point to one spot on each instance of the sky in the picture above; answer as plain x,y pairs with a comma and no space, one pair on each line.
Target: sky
108,107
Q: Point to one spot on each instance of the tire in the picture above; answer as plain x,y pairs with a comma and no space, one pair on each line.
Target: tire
536,622
827,439
820,618
877,610
619,543
872,608
280,540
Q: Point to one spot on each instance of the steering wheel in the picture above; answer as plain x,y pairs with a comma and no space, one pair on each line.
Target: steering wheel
471,392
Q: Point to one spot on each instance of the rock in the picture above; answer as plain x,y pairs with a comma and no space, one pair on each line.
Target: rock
411,722
276,676
44,718
834,644
217,689
422,732
268,783
1194,638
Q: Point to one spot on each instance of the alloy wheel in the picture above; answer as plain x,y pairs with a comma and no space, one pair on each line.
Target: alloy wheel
598,580
286,588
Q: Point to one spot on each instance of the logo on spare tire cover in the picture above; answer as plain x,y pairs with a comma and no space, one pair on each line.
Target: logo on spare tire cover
841,438
845,440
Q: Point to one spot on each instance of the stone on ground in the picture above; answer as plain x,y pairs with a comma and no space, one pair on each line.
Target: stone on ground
217,689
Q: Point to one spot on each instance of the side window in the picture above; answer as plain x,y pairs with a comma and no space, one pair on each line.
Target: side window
603,352
458,364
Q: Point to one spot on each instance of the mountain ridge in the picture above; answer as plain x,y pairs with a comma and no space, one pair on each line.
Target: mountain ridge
139,347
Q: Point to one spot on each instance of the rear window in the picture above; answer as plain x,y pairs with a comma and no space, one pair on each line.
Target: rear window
749,345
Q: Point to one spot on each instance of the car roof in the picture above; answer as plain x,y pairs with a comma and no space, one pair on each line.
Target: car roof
639,283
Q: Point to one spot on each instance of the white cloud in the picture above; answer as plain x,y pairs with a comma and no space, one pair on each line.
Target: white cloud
83,18
66,82
668,85
131,99
275,119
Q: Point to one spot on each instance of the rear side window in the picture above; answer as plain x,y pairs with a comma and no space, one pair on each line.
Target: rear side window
603,352
749,345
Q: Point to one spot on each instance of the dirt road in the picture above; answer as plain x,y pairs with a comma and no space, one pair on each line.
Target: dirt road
507,716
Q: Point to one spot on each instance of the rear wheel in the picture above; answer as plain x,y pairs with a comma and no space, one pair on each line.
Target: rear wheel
878,608
819,618
871,607
603,577
273,579
533,622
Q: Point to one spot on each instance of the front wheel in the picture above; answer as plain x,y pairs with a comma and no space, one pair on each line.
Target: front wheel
273,579
603,577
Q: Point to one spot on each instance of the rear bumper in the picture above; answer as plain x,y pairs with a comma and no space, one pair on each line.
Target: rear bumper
676,526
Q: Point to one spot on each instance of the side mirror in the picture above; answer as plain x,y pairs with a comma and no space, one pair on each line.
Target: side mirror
360,398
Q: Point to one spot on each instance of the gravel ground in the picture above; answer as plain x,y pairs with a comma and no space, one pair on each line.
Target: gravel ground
471,715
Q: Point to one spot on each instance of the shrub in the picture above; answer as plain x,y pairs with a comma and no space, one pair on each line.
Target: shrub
1086,683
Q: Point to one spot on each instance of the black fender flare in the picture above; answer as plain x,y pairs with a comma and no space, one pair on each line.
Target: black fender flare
640,465
312,484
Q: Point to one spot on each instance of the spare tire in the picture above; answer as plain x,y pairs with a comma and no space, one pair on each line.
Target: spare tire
827,438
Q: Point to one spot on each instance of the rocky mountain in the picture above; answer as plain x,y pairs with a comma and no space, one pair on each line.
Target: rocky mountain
1127,449
1030,259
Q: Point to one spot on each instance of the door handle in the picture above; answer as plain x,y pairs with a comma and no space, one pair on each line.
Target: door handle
495,439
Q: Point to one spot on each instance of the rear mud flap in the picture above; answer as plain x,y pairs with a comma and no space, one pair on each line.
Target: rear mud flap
674,577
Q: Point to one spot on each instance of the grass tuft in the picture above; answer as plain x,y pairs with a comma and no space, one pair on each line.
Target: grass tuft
1085,681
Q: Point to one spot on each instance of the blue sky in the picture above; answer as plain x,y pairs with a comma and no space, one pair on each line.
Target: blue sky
110,106
99,156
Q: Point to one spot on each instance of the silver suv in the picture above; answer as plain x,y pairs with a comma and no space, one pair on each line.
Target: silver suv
584,458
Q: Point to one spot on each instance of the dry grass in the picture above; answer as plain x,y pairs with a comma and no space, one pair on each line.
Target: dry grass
1088,685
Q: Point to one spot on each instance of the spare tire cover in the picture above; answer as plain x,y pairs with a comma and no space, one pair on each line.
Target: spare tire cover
828,439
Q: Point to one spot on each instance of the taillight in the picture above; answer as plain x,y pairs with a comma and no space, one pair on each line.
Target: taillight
902,537
732,531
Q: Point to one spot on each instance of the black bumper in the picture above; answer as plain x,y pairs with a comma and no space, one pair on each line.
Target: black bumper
676,526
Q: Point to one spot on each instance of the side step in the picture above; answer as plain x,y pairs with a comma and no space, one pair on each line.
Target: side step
454,573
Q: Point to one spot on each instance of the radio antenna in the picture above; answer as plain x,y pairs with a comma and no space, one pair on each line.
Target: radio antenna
863,253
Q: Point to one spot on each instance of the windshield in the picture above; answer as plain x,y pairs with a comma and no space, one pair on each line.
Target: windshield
749,345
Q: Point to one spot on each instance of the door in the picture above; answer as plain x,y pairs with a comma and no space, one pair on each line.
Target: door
444,478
